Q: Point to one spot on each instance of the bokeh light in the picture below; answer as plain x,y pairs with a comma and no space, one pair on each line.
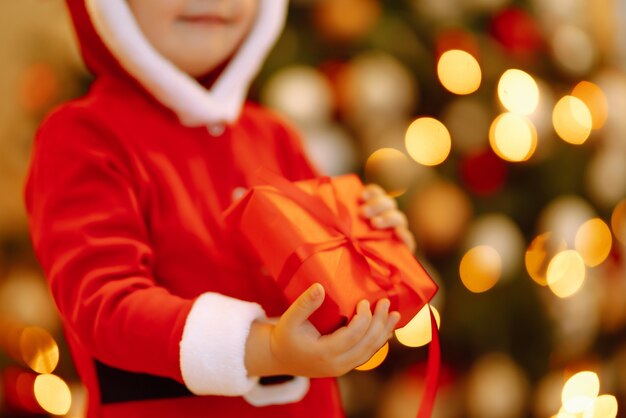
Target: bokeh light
496,388
580,392
566,273
594,241
39,350
439,214
346,20
376,360
418,331
459,72
391,169
463,112
518,92
428,141
595,99
573,50
572,120
53,394
618,222
604,406
480,268
539,254
38,87
501,233
513,137
313,90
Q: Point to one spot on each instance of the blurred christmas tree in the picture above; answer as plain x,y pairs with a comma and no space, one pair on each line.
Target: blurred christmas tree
499,127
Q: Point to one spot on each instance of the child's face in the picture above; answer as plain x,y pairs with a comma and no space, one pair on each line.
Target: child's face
195,35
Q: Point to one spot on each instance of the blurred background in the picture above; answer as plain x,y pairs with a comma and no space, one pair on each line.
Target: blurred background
499,125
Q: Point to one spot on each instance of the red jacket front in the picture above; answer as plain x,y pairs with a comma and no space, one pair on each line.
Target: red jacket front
124,203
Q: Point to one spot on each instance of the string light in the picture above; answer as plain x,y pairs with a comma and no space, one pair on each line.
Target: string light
595,100
418,331
594,241
566,273
513,137
53,394
459,72
518,92
580,392
428,141
480,268
572,120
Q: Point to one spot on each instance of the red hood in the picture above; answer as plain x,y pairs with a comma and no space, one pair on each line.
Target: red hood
112,45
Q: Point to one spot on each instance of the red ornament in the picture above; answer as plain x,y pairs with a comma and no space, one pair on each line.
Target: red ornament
517,31
483,172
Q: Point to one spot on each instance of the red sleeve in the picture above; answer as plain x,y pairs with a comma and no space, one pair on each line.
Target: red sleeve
90,238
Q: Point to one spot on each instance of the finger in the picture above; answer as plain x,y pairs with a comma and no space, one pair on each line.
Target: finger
304,306
371,191
367,345
407,237
378,205
390,219
346,337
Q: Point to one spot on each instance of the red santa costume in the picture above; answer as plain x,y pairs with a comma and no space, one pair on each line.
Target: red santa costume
124,194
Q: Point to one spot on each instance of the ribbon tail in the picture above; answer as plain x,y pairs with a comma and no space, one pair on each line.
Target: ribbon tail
432,372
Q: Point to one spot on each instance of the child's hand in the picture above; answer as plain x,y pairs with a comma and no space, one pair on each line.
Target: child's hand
382,211
297,348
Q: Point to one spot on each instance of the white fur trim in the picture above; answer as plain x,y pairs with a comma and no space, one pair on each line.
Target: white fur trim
279,394
194,104
213,345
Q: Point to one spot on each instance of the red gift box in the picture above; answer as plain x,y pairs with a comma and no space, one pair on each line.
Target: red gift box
311,231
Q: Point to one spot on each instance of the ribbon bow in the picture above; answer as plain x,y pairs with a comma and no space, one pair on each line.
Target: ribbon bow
385,274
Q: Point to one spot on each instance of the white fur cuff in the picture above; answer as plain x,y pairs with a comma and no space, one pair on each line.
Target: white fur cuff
279,394
213,345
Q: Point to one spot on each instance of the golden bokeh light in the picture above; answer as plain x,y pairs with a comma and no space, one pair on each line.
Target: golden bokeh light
596,101
391,169
481,268
594,241
566,273
439,214
618,222
53,394
418,331
376,360
580,392
513,137
459,72
428,141
572,120
538,255
39,350
346,19
518,92
604,406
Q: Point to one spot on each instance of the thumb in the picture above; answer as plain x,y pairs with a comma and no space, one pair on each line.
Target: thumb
305,305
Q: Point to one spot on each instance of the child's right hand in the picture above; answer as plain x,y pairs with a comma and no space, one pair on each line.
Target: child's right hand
293,346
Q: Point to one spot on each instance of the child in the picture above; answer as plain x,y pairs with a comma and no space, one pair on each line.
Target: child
125,193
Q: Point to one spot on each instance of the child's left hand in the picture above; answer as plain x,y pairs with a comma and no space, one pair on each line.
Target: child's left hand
382,211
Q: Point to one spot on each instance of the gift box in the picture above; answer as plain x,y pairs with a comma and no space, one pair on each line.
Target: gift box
311,231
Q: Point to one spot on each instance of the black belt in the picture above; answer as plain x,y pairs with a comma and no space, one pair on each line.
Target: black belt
117,385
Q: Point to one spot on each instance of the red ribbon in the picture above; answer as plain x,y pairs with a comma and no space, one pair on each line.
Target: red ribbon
432,371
